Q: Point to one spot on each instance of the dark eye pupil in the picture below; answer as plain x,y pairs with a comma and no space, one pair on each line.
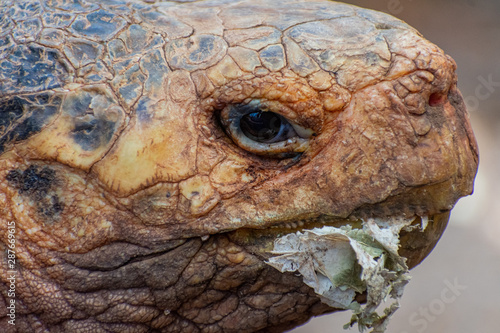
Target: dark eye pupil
261,126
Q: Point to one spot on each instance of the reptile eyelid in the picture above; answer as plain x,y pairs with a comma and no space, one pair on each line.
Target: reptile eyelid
295,137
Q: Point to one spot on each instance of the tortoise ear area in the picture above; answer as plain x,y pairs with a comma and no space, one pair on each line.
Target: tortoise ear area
93,133
75,128
93,119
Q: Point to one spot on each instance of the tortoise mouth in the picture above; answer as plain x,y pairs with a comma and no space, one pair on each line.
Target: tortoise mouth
416,241
342,260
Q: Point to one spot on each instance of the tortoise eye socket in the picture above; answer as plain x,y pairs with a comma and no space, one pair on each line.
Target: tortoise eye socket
266,127
263,132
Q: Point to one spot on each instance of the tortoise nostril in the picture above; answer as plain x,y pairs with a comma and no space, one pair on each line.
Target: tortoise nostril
437,99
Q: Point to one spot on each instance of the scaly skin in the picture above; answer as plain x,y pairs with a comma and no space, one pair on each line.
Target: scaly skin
134,208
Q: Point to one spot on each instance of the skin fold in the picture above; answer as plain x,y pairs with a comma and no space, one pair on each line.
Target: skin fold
135,207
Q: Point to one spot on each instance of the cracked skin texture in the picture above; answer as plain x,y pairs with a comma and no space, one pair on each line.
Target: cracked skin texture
136,211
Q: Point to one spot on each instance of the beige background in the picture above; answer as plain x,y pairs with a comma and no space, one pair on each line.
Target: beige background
469,252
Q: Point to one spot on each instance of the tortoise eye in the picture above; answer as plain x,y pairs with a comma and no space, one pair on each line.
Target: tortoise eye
266,127
263,132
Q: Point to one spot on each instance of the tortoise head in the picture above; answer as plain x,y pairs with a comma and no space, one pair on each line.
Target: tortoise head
152,155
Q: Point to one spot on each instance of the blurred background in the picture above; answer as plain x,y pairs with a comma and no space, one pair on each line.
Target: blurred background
457,288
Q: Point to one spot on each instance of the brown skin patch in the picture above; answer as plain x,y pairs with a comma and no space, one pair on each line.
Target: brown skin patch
136,210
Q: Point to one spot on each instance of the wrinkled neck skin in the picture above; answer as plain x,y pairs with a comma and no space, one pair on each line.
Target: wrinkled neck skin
133,210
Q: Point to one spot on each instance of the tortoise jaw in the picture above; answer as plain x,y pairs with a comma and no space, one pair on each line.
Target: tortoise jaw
416,242
346,262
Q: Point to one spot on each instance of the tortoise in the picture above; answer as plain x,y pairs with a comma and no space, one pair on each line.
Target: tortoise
158,160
